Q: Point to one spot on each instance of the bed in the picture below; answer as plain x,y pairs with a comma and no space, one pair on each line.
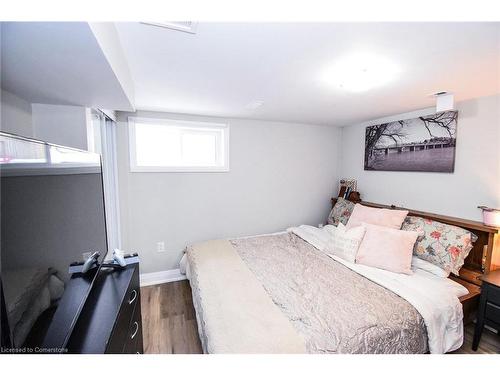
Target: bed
279,293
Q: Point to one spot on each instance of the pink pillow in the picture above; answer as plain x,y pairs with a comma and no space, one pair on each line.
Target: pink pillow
387,248
377,216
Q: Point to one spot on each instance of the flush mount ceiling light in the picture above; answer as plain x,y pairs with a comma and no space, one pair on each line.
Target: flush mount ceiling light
361,72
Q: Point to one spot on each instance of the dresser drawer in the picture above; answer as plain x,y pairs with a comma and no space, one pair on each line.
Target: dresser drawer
122,325
133,344
493,294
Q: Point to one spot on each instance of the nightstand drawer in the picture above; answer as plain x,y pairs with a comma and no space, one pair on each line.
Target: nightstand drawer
493,294
489,306
492,313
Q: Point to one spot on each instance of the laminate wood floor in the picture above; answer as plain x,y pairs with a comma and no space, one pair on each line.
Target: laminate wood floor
168,319
169,323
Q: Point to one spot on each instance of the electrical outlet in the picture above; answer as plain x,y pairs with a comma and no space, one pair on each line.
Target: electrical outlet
160,247
320,225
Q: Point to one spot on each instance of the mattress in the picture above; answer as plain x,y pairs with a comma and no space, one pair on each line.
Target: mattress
331,308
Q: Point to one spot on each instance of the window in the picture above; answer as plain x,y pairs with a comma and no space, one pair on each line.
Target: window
158,145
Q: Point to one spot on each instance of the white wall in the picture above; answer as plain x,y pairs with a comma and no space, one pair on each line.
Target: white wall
280,175
476,180
15,115
63,125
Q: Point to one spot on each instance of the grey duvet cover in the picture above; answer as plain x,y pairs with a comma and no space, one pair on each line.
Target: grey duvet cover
335,309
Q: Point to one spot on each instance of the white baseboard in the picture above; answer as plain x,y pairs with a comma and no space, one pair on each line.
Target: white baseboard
161,277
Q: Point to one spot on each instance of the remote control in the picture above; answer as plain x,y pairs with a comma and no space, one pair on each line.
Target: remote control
119,258
90,262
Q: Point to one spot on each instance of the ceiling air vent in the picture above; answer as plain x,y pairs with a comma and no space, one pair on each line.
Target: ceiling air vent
184,26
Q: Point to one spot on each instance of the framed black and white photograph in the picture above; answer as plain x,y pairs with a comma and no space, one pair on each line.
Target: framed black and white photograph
422,144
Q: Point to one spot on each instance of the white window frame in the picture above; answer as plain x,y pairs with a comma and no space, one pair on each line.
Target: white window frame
172,122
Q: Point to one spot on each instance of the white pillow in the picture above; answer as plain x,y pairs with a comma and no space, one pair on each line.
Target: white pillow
429,267
345,242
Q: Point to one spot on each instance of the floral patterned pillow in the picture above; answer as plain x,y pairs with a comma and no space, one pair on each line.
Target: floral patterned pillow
444,245
341,212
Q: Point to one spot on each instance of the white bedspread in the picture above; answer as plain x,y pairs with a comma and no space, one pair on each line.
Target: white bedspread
435,298
237,315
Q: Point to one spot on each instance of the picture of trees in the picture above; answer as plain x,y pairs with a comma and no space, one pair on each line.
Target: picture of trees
423,144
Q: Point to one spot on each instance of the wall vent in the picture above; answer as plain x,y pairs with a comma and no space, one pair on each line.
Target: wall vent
445,100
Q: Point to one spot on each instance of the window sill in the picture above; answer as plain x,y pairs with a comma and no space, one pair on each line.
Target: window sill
136,169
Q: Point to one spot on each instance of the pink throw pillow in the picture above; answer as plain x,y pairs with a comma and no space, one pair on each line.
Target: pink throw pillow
387,248
377,216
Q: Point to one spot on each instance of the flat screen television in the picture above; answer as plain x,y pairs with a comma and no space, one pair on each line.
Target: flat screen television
52,215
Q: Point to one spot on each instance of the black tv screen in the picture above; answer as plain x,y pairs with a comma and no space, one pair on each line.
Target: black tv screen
52,215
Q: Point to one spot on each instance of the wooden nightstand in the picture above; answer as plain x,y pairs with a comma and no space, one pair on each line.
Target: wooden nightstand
489,306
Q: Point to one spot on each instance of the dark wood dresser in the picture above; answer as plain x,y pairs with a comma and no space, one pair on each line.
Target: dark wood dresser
110,321
489,306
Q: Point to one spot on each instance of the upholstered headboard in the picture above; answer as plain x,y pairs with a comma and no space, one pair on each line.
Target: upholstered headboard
479,261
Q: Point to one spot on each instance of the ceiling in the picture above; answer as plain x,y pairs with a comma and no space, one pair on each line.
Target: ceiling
267,71
61,63
224,67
